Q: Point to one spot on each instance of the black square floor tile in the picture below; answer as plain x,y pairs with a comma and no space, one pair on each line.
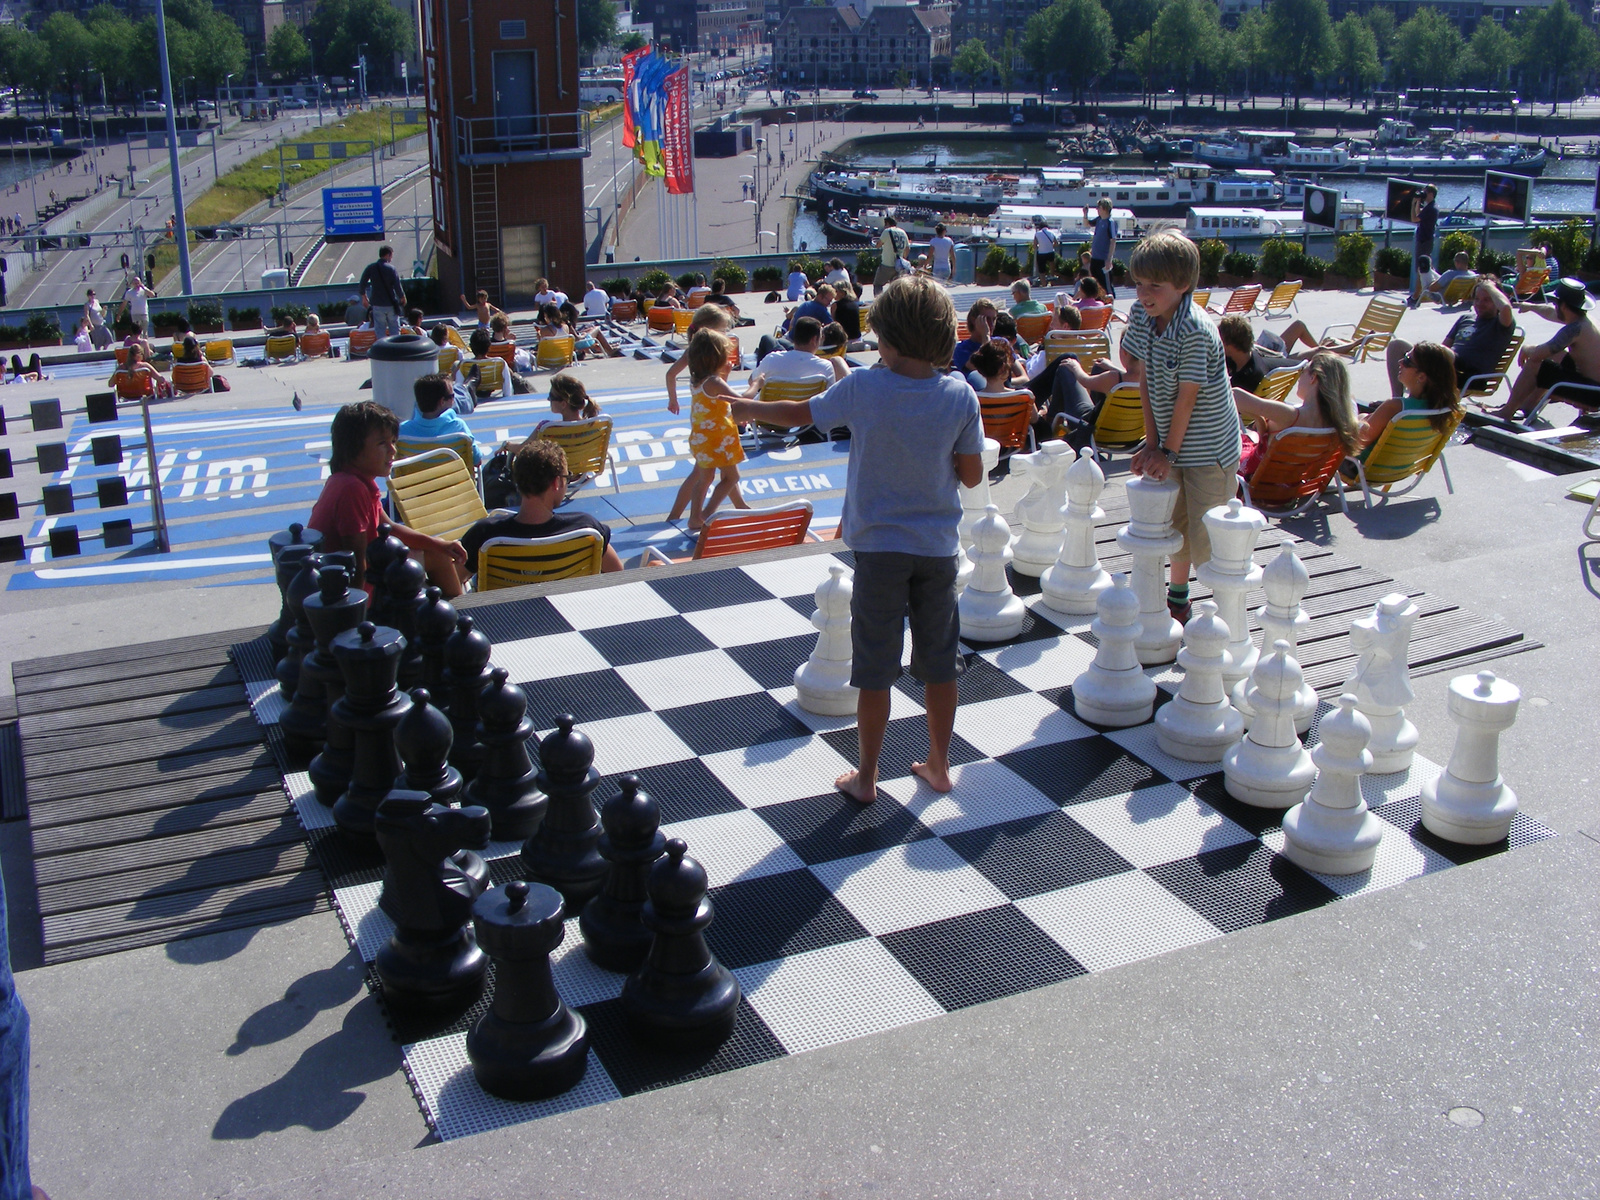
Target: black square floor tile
773,916
418,1023
847,557
1039,854
773,664
981,956
344,863
732,724
904,742
1082,770
642,641
804,605
822,828
1023,585
1212,790
979,680
683,790
714,589
635,1067
517,619
1407,815
589,696
1034,628
1235,887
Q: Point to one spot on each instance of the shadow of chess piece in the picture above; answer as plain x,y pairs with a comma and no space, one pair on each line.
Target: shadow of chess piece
371,709
383,551
682,994
298,637
289,549
423,738
466,674
614,935
333,608
431,876
435,622
563,852
404,583
529,1045
506,780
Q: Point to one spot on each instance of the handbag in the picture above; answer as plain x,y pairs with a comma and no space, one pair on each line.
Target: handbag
498,489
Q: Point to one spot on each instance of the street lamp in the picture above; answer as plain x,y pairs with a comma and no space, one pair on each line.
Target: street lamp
360,67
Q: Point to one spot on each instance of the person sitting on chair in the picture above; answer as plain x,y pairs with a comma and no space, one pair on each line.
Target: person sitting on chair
802,362
1248,363
128,373
436,415
1572,356
1428,374
539,471
1461,270
1477,340
1324,394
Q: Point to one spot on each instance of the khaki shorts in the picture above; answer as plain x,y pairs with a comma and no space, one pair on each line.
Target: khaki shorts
1200,489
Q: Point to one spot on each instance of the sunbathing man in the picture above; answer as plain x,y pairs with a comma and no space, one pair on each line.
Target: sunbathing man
1572,356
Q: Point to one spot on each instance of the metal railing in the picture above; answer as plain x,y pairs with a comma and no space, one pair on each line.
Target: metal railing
521,139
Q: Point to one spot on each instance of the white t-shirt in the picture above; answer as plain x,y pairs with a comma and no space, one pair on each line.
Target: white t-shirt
837,276
596,303
556,298
792,364
1044,242
139,304
942,248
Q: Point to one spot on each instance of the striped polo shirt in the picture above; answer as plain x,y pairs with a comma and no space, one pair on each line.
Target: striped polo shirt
1189,350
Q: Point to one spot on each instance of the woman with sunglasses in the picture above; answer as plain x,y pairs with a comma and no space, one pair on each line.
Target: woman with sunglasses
1428,373
1324,394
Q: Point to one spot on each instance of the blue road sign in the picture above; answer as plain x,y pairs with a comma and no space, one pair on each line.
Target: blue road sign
352,212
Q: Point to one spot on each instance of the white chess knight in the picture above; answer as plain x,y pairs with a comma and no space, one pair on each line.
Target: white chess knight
990,610
1198,724
1150,539
1270,768
1076,580
1285,581
1115,690
1040,511
1470,803
822,682
1230,574
973,501
1332,830
1382,680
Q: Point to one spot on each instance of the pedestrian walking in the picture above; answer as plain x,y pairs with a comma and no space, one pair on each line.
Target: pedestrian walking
382,291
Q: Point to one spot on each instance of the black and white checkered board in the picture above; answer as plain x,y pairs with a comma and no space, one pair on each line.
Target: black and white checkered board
1062,850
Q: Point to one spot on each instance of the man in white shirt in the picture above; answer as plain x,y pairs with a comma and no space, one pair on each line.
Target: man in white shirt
837,273
1044,251
942,247
547,294
803,362
595,301
137,298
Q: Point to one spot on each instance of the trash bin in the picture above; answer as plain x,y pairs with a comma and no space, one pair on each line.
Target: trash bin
397,363
962,268
276,277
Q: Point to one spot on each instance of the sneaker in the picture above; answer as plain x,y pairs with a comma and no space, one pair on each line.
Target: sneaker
1180,612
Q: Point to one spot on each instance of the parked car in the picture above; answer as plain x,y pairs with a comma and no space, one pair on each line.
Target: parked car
204,106
294,102
153,106
863,94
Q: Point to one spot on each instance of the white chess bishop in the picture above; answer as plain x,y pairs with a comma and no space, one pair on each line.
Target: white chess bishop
1382,680
1076,580
1150,539
974,501
822,682
1333,831
1230,574
1039,544
1198,724
1115,690
990,610
1470,803
1285,581
1270,768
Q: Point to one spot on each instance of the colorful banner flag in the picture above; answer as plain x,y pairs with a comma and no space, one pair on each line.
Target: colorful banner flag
677,140
628,66
647,95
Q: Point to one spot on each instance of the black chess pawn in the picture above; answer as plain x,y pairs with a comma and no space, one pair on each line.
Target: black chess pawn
371,709
466,674
333,608
435,622
404,583
423,738
298,636
382,551
506,782
529,1045
431,876
682,994
563,850
614,935
301,541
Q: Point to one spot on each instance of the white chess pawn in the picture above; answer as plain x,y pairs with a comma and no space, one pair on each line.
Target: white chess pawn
1382,680
973,501
1332,830
1115,690
1285,581
1230,574
822,682
1198,724
1040,511
1077,579
1270,768
1470,803
990,610
1150,539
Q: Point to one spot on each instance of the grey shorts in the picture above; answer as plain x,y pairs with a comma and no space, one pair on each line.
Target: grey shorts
888,587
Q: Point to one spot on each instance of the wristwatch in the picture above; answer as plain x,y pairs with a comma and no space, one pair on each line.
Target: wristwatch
1171,455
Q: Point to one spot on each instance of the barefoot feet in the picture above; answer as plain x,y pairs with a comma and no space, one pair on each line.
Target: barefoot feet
938,778
858,789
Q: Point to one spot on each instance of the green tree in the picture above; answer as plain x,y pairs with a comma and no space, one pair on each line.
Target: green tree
70,49
1252,49
633,41
1491,53
219,51
1427,49
1186,34
1556,45
1380,20
1072,39
338,27
112,35
288,54
1358,54
597,25
1140,57
972,61
1302,38
1130,18
1008,63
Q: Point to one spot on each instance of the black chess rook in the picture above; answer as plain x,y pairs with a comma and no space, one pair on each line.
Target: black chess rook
612,923
563,852
466,674
423,738
371,709
333,608
507,782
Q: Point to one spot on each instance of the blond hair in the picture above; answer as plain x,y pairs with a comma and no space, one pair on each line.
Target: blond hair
1333,396
710,316
915,316
707,354
1166,257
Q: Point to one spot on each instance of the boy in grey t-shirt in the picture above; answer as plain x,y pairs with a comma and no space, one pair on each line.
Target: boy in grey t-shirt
914,435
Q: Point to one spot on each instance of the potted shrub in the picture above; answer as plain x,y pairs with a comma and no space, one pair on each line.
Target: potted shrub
1276,256
206,315
1212,252
42,330
767,278
1010,269
284,312
1498,262
988,273
329,314
687,279
1568,242
867,264
1238,269
165,324
1350,265
734,277
1392,269
651,282
1453,243
13,337
813,268
619,288
1119,273
244,318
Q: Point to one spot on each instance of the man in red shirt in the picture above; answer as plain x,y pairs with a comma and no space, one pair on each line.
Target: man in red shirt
350,509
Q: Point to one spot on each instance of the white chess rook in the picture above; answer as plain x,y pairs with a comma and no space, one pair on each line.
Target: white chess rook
822,682
973,501
1285,581
1470,803
1115,690
1382,680
1198,724
990,610
1039,544
1230,574
1150,539
1270,768
1333,831
1076,580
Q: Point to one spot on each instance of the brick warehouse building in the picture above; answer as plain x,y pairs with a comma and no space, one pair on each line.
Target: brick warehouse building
506,144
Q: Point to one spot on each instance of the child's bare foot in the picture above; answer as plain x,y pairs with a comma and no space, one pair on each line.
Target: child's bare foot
852,785
938,778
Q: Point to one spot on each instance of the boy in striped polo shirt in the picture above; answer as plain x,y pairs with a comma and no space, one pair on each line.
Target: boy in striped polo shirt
1191,428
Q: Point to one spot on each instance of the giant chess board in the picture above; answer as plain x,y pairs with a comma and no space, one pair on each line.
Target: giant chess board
1063,850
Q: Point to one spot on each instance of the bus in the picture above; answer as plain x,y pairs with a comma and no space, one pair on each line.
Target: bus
600,89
